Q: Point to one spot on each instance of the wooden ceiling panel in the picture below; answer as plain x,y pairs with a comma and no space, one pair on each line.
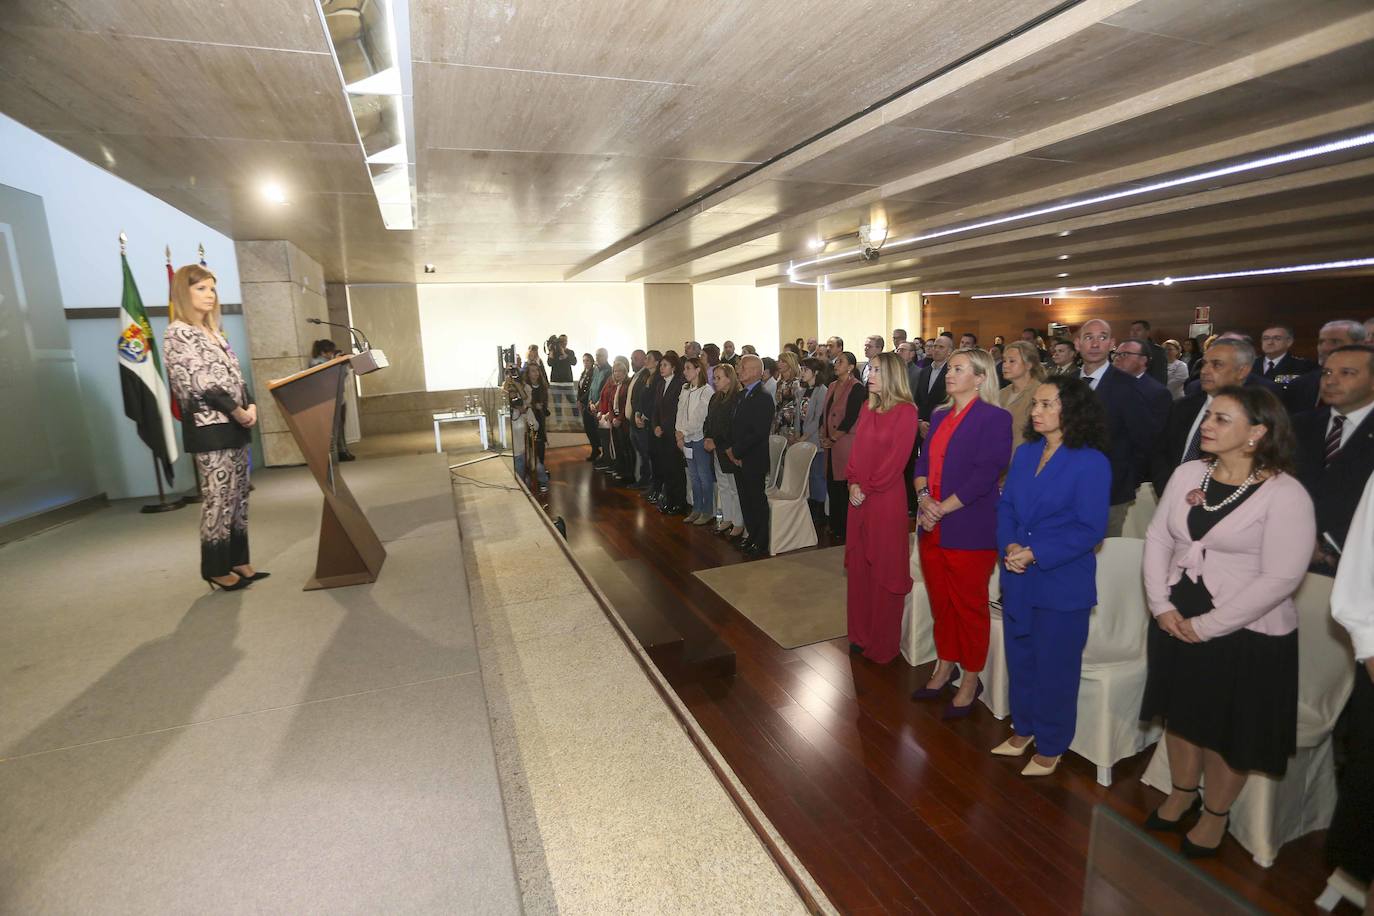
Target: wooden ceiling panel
164,88
285,24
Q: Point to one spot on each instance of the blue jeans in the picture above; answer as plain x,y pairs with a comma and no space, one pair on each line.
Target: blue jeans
702,474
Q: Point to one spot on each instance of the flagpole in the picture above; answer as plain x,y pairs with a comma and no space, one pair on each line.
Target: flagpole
162,505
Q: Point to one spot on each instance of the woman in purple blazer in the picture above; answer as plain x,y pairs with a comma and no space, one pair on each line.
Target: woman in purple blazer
963,458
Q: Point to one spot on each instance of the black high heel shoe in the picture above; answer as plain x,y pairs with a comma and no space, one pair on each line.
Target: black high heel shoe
1192,850
931,693
242,583
253,578
1155,822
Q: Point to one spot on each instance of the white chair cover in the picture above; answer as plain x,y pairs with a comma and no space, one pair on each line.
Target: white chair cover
1112,683
776,446
1269,812
918,636
790,526
918,640
1141,512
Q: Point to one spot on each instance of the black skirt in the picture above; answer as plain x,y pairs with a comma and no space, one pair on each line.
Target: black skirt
1236,694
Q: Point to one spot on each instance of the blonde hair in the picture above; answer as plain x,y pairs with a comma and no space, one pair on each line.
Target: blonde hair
700,365
729,372
789,359
622,364
981,361
895,389
1029,355
182,281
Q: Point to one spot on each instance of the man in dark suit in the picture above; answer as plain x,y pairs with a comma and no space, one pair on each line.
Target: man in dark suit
1157,367
1253,379
930,384
749,451
1305,392
1129,422
1336,448
1227,362
1132,357
1277,363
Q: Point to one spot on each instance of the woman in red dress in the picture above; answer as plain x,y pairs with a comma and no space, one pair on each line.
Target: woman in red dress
877,554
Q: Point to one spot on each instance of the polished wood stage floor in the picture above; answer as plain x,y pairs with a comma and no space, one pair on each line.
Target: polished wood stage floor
892,809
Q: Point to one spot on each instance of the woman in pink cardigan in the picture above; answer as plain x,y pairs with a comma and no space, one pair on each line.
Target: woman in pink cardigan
1228,547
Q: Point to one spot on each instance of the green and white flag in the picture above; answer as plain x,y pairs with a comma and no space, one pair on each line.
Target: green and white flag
146,400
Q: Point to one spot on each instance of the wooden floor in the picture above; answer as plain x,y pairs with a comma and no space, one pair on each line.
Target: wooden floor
892,809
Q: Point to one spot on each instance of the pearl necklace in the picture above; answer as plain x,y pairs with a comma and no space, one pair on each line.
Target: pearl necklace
1240,491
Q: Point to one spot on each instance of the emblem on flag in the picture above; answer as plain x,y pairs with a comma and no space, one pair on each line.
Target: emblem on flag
133,344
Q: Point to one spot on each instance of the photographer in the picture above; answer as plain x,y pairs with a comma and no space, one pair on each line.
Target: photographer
561,361
526,425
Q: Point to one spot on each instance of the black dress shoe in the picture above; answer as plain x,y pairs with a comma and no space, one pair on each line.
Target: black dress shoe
1155,822
1192,850
755,552
242,583
855,648
347,456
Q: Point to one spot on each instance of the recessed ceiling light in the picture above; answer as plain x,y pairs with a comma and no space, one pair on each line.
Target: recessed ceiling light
1066,232
1063,257
816,244
274,192
1168,281
1063,275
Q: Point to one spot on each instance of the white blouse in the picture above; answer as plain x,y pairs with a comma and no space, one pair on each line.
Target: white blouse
691,411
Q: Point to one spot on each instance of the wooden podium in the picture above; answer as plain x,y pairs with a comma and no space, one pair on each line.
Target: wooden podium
350,552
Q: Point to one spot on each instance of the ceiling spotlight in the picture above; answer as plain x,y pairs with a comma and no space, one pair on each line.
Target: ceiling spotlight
1066,232
871,237
1168,281
430,268
1062,257
274,192
816,244
1061,276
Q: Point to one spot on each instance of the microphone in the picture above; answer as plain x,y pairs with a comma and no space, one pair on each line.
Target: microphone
360,341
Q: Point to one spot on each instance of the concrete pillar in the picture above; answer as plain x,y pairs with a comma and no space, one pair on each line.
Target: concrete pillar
798,314
336,300
669,315
281,286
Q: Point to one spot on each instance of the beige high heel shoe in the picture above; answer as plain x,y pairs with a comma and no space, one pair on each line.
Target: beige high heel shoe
1039,769
1007,749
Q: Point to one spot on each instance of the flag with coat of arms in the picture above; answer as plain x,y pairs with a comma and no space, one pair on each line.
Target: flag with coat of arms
146,399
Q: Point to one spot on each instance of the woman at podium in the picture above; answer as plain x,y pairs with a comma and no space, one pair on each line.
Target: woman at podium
217,412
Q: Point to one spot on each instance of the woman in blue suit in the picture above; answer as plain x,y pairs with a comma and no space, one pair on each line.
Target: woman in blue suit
1052,515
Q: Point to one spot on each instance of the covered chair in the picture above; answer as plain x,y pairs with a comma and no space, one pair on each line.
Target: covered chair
1141,512
1112,683
1269,812
776,446
790,526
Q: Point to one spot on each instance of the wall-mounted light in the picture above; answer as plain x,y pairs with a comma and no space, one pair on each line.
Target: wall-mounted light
1169,281
430,268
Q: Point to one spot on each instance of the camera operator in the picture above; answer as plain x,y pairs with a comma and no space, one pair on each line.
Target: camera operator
561,360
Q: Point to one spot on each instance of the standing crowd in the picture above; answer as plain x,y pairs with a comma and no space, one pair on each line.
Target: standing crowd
1021,458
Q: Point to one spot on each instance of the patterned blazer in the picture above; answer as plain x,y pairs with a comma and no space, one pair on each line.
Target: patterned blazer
208,384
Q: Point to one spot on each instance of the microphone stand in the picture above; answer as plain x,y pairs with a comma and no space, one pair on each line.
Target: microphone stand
360,341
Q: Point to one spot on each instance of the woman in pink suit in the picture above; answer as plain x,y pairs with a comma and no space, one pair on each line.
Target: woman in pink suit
1226,550
877,554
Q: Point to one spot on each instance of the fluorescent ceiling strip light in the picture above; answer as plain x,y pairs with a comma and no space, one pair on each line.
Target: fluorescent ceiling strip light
943,292
1169,281
1309,152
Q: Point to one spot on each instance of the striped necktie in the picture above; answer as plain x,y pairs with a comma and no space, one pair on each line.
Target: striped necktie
1333,438
1194,450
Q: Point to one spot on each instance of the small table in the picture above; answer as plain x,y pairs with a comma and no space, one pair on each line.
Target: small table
451,417
503,426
